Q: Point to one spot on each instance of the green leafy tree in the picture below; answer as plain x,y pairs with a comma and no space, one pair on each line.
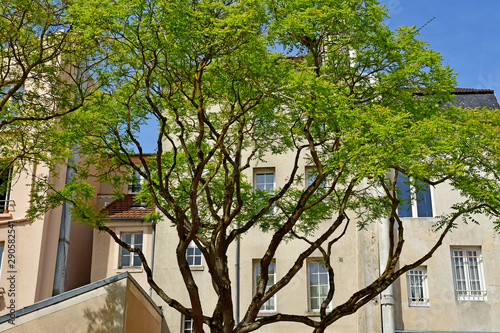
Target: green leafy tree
364,104
43,77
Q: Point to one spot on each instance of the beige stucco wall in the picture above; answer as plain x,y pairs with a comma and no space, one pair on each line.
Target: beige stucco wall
445,312
347,262
105,251
116,307
356,264
36,245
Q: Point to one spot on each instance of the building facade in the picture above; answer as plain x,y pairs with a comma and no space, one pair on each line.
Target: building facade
454,291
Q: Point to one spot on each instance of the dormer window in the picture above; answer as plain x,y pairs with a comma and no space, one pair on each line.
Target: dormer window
136,183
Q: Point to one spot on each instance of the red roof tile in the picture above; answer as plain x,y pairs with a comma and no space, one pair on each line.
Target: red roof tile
472,90
123,208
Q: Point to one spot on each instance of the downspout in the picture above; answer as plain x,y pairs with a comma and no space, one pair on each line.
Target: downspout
386,296
59,285
237,282
153,225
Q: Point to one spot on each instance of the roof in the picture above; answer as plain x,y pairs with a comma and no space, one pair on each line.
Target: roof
473,98
127,208
472,91
77,292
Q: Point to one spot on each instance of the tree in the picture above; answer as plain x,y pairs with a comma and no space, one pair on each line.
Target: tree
364,105
38,86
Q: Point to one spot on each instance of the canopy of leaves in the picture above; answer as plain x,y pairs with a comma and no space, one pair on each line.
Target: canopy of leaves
363,104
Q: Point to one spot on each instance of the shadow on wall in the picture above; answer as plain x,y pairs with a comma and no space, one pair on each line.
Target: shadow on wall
109,317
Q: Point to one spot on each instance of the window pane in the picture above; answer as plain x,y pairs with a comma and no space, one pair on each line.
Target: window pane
137,260
125,261
130,259
126,238
137,238
404,208
424,204
318,284
270,304
469,284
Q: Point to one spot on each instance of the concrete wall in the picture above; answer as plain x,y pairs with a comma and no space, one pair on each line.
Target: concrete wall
118,307
105,251
36,245
445,312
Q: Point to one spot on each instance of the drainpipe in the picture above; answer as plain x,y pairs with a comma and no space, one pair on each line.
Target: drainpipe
237,282
153,225
59,285
386,296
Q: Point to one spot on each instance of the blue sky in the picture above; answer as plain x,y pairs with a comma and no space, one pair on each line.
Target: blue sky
465,32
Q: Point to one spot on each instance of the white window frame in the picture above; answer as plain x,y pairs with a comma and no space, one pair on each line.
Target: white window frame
266,171
126,228
270,305
131,255
132,187
418,292
2,247
6,203
320,296
195,255
310,172
468,277
414,201
187,320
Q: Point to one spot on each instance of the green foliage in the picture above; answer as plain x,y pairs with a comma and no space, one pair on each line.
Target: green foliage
363,103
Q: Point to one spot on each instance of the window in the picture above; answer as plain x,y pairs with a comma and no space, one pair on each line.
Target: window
468,274
264,181
413,204
311,176
5,180
417,287
127,258
2,244
270,304
318,285
193,255
187,324
136,183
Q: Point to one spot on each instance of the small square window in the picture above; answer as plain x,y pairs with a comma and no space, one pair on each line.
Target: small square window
311,175
417,287
264,181
193,255
127,258
187,324
136,183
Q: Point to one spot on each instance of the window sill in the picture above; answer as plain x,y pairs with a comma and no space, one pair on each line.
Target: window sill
130,270
5,215
484,299
196,268
315,313
266,313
